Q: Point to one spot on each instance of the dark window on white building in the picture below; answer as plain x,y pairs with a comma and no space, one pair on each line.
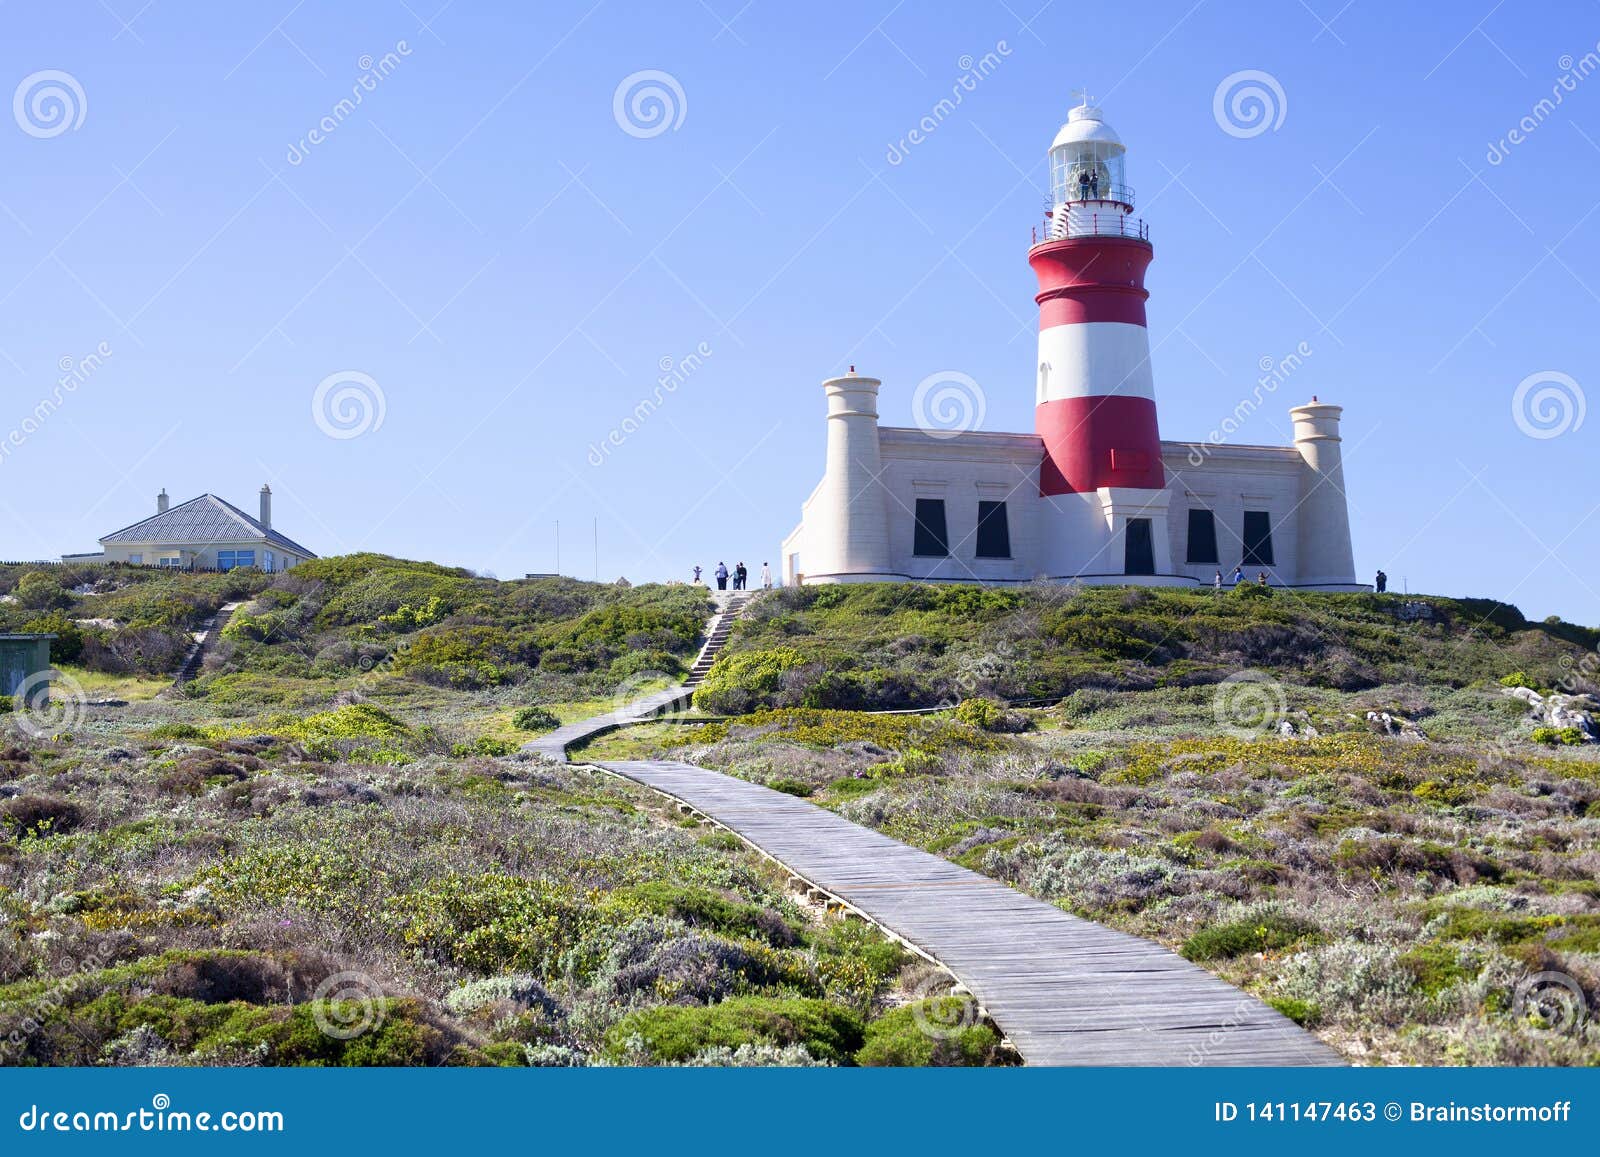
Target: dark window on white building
1202,537
932,539
1257,538
994,534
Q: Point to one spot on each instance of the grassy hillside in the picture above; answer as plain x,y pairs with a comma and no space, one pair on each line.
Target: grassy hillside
356,620
884,646
328,851
332,829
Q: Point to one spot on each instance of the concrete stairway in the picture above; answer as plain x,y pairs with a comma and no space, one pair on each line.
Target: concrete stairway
730,605
553,745
203,638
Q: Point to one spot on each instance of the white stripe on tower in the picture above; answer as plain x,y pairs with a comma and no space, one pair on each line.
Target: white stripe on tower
1094,359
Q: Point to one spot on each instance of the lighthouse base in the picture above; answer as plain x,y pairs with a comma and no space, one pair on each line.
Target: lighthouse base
1114,534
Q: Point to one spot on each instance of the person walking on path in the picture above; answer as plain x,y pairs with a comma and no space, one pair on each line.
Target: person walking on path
1382,582
722,576
1238,575
766,577
741,577
1217,582
1261,578
696,576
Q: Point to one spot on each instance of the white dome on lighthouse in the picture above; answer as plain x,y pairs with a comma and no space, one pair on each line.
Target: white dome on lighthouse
1085,124
1086,164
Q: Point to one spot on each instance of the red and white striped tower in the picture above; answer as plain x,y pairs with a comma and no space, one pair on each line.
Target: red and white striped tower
1096,409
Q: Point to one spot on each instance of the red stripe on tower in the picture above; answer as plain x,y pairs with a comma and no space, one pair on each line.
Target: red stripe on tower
1096,410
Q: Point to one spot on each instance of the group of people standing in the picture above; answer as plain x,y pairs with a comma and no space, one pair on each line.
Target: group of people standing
1238,578
1382,581
740,575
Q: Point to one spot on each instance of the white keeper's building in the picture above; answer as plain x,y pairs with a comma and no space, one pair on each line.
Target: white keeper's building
1093,494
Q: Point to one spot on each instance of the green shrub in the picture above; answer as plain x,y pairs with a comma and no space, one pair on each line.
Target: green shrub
176,731
789,786
40,590
737,683
67,645
1557,736
1517,679
1263,933
489,745
675,1033
534,719
903,1037
984,714
493,923
1304,1013
705,908
409,618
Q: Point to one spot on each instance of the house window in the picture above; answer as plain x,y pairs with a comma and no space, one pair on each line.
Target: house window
268,567
1257,538
932,539
1202,537
170,560
136,559
994,535
1138,549
228,559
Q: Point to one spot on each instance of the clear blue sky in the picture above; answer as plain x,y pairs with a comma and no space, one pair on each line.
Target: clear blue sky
484,241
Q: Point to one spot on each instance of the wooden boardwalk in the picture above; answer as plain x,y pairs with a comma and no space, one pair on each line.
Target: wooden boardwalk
1065,991
554,744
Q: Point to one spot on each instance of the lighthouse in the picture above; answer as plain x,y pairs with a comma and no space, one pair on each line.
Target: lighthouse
1096,407
1092,495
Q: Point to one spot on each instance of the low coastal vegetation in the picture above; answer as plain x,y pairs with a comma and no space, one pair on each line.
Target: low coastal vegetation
1336,801
884,646
329,849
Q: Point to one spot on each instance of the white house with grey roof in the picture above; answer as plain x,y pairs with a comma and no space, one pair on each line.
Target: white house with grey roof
205,533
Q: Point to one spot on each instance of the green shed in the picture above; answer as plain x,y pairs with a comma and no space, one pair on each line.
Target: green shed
24,664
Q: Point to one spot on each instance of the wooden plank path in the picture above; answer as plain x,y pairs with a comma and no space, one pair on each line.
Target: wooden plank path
554,744
1065,991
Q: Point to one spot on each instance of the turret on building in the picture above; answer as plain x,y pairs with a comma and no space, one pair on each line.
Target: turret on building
1093,494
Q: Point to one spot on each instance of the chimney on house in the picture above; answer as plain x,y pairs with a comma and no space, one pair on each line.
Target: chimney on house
161,501
266,507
